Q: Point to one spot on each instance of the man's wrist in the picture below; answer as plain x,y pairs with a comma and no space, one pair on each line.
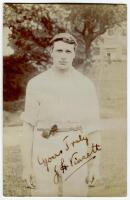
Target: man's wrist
95,164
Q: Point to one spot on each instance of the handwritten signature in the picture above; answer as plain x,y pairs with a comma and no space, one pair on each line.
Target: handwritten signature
47,161
75,158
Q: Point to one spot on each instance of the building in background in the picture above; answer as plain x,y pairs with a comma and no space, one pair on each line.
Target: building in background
112,45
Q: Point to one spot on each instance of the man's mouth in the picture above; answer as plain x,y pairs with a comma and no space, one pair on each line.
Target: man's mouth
62,62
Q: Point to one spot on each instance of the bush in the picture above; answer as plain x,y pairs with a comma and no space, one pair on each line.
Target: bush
17,73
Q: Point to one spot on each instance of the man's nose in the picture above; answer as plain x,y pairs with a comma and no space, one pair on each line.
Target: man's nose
63,56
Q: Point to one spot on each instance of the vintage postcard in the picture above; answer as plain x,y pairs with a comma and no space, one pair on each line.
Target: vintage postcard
64,100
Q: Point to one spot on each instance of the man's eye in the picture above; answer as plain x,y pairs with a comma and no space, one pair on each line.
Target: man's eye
59,50
68,51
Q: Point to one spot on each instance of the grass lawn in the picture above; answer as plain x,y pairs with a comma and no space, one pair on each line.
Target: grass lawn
113,165
112,93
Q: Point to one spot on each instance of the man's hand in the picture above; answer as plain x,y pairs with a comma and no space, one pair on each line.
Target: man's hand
28,178
93,176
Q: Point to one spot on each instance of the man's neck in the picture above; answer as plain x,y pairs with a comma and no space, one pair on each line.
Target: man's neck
61,73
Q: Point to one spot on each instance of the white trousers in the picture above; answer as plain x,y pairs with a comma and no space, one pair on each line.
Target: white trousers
60,155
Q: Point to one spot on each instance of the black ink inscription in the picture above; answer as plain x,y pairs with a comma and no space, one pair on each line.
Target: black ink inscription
46,162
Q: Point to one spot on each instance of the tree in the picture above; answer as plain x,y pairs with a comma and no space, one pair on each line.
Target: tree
33,25
94,20
32,28
16,75
90,23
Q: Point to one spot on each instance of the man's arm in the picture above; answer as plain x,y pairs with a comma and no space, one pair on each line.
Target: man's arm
95,138
26,150
29,118
94,165
94,135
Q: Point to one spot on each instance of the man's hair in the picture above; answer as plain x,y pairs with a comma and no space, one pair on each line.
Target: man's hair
65,37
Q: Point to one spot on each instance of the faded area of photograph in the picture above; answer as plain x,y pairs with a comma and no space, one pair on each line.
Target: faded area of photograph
101,31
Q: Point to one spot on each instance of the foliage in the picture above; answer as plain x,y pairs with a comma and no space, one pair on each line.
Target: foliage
32,28
33,25
94,20
16,75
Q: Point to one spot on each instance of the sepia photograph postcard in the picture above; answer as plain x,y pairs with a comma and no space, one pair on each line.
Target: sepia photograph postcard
64,99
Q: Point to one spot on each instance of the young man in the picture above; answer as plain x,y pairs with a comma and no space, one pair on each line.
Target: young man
60,104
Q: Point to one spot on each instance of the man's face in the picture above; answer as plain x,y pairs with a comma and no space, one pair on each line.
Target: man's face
62,54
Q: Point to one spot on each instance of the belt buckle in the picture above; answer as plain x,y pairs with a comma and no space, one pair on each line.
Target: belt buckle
46,133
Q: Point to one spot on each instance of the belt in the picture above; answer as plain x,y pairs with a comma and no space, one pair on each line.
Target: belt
46,133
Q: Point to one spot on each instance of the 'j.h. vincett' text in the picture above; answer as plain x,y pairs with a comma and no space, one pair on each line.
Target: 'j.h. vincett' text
75,159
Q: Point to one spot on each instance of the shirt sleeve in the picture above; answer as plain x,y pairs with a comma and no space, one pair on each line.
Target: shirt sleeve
30,113
93,122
